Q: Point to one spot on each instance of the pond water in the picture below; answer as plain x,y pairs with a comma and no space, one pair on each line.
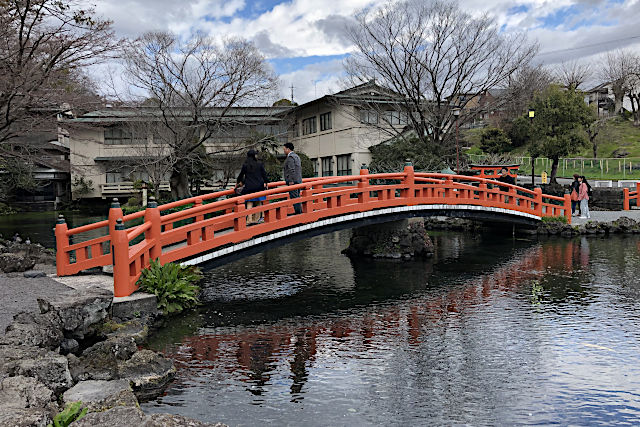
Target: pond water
491,330
38,226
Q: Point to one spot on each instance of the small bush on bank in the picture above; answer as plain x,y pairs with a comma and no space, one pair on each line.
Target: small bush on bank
550,219
173,285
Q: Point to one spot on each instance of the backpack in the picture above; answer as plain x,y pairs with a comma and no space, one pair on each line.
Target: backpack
589,192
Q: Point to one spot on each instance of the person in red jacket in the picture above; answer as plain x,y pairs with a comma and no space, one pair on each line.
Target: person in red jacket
583,196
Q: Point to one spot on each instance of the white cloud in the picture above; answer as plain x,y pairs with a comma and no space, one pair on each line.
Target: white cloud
312,81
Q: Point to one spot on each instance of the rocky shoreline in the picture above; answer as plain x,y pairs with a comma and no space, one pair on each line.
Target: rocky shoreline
622,225
71,350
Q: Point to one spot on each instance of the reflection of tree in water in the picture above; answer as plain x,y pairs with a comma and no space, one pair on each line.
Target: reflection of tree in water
373,319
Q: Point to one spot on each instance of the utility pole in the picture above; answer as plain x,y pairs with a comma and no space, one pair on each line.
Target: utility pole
292,92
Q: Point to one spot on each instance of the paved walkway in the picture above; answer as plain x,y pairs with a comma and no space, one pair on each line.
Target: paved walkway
606,216
17,293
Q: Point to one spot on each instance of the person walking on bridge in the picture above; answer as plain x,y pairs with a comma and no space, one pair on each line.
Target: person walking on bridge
293,174
254,178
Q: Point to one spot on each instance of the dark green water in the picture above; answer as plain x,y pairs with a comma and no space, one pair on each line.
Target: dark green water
491,331
38,226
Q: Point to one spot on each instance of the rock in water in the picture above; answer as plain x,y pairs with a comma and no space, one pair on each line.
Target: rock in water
394,240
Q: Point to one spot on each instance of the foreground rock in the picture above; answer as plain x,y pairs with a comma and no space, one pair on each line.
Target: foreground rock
127,416
25,401
395,240
79,312
48,367
99,396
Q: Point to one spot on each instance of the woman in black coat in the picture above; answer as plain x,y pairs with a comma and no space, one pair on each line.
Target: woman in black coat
254,178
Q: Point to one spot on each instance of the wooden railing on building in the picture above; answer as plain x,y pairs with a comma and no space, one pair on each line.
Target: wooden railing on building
218,219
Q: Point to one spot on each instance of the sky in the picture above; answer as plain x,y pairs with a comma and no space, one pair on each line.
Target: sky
305,41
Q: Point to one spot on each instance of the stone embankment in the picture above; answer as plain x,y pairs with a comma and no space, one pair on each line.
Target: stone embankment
622,225
72,351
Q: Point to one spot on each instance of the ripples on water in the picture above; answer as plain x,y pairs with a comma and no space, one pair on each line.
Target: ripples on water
490,331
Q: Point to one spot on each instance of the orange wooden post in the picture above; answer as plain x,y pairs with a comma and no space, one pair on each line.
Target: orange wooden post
625,192
240,223
306,205
62,242
537,200
567,207
152,215
363,197
409,180
482,192
120,252
115,212
637,195
193,236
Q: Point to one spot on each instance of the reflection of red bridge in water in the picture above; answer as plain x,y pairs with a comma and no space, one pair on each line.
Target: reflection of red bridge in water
254,351
216,227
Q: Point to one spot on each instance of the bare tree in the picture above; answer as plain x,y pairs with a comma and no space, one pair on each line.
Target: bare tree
573,74
633,89
193,87
43,46
433,56
617,69
523,86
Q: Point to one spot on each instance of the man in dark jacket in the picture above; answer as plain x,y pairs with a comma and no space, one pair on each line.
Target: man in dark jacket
293,173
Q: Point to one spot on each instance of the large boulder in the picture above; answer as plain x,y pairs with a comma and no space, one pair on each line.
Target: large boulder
101,360
14,262
39,330
80,312
99,396
127,416
149,373
50,368
118,416
24,392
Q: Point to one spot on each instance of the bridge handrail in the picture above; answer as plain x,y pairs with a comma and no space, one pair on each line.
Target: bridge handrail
320,197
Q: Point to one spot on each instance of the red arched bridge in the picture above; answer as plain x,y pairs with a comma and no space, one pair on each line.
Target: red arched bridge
215,225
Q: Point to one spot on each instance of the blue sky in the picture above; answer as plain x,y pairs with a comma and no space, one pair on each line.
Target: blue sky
305,40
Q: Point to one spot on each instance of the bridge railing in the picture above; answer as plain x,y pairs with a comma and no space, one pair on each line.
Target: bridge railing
631,196
218,219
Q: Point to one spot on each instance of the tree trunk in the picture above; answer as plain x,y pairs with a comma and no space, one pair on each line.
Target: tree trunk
554,170
179,183
594,144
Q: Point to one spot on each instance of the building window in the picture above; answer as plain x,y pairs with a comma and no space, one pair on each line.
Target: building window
119,136
327,166
395,118
315,166
344,164
309,126
369,116
325,121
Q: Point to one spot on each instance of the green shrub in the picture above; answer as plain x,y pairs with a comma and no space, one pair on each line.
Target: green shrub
73,412
172,284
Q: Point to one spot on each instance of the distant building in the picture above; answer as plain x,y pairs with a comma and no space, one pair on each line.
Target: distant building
602,96
335,131
107,145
